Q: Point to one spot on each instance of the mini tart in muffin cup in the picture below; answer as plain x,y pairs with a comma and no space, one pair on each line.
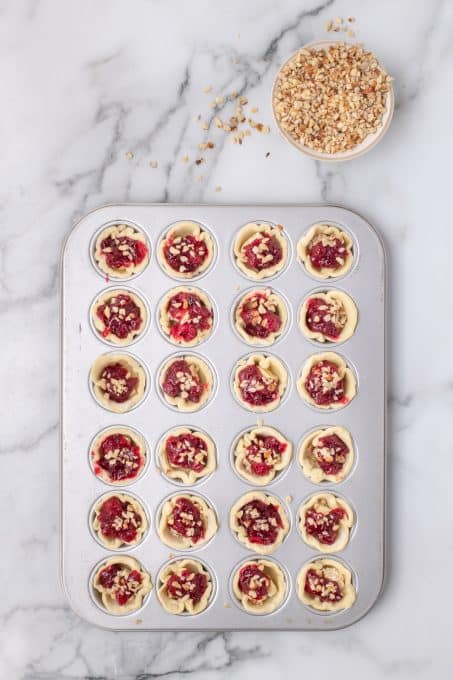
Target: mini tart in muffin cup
261,317
119,316
195,374
259,521
118,456
118,381
329,246
327,455
186,455
188,247
121,251
185,587
328,317
186,521
119,521
263,378
186,316
260,454
326,382
325,585
260,250
325,522
259,586
121,584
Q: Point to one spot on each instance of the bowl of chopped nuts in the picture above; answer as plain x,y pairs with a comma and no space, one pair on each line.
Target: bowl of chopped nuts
333,100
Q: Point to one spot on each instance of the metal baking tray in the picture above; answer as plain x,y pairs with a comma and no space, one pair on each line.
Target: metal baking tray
82,418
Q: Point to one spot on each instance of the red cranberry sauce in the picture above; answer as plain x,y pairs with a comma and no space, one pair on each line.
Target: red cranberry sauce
261,521
185,254
119,457
319,586
325,317
263,252
257,388
327,251
186,451
324,384
260,316
188,316
120,582
118,519
123,251
187,583
330,454
120,316
263,454
179,381
324,527
117,382
185,520
253,582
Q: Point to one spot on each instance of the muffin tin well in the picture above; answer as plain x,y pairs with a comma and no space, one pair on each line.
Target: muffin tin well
223,418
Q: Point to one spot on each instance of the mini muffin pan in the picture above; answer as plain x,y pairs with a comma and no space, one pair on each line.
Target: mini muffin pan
223,418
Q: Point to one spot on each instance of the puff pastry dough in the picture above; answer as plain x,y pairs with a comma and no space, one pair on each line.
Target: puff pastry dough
260,586
260,382
187,455
261,250
119,316
261,317
186,521
326,585
259,521
261,453
121,584
185,587
119,382
326,381
325,522
328,317
186,250
121,251
326,251
119,520
186,316
327,455
186,382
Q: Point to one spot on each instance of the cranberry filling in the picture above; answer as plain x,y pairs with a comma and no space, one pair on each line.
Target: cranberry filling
324,527
259,316
122,584
253,582
188,316
119,457
185,254
122,251
330,454
326,251
185,520
325,318
179,381
118,383
256,388
263,252
186,451
118,519
318,585
263,454
120,316
261,521
188,583
324,384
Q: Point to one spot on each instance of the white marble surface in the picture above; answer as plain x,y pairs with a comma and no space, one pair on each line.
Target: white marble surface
82,84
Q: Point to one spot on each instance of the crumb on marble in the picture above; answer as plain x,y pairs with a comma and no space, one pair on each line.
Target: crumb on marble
207,89
218,188
153,164
199,178
128,155
185,159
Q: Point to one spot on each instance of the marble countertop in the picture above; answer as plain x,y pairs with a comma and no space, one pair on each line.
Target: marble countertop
92,92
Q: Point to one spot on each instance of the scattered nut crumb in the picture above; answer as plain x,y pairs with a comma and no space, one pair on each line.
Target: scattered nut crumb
128,155
205,126
218,188
328,26
351,19
138,621
289,499
199,161
207,89
219,100
185,159
153,164
254,109
227,605
199,178
338,20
